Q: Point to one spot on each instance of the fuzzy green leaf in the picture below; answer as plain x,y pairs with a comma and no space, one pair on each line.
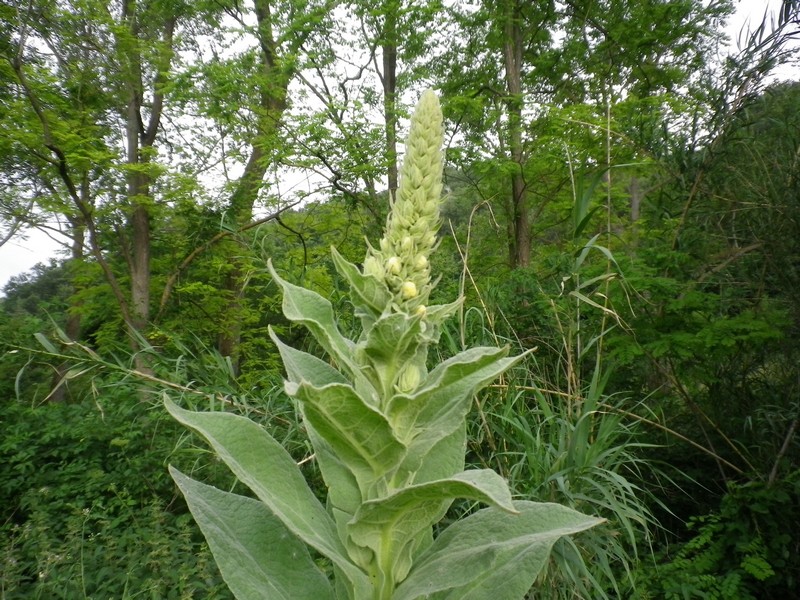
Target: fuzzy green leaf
358,433
257,556
343,491
263,465
316,314
445,457
491,554
445,392
412,508
302,366
393,339
435,315
369,295
393,523
441,403
391,343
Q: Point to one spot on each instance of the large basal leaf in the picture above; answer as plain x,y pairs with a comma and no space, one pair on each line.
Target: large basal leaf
358,433
316,314
263,465
491,554
258,557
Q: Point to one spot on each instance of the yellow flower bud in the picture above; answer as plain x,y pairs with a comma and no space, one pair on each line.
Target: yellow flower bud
393,265
421,310
408,290
421,262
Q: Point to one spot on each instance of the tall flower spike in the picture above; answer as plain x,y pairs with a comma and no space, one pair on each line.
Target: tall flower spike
411,227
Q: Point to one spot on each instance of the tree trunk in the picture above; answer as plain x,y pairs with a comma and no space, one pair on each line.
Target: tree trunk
72,325
512,55
140,140
137,192
274,83
389,80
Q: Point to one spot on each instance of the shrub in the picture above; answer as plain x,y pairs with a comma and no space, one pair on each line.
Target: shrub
88,510
748,549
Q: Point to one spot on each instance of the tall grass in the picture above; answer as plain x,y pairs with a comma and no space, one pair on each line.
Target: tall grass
555,433
576,450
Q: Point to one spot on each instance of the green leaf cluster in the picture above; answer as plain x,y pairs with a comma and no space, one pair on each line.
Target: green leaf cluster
745,550
88,510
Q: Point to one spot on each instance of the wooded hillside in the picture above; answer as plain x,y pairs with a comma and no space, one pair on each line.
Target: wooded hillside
622,195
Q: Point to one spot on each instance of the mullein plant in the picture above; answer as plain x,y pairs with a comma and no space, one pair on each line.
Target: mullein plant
389,437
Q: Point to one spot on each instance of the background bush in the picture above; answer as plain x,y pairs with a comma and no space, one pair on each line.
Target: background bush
89,510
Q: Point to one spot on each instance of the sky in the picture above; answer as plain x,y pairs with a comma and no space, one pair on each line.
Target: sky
23,252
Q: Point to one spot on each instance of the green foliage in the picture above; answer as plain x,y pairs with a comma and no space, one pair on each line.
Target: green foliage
579,451
630,129
554,428
87,509
746,550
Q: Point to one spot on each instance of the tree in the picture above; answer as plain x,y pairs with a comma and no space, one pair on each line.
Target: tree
88,103
92,77
522,79
354,90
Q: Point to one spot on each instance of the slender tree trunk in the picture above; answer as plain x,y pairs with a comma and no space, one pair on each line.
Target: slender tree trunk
140,140
72,325
512,55
138,220
241,204
389,80
274,83
137,190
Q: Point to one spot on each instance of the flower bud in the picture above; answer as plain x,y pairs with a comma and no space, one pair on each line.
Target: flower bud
412,223
408,290
409,379
393,265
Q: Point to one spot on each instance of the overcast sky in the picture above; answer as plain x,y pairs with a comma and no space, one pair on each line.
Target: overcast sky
20,255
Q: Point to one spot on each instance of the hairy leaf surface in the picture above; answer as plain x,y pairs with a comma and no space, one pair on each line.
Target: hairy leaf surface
258,557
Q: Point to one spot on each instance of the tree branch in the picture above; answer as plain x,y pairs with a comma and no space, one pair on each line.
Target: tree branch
173,278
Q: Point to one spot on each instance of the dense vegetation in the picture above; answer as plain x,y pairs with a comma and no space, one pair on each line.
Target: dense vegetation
620,199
